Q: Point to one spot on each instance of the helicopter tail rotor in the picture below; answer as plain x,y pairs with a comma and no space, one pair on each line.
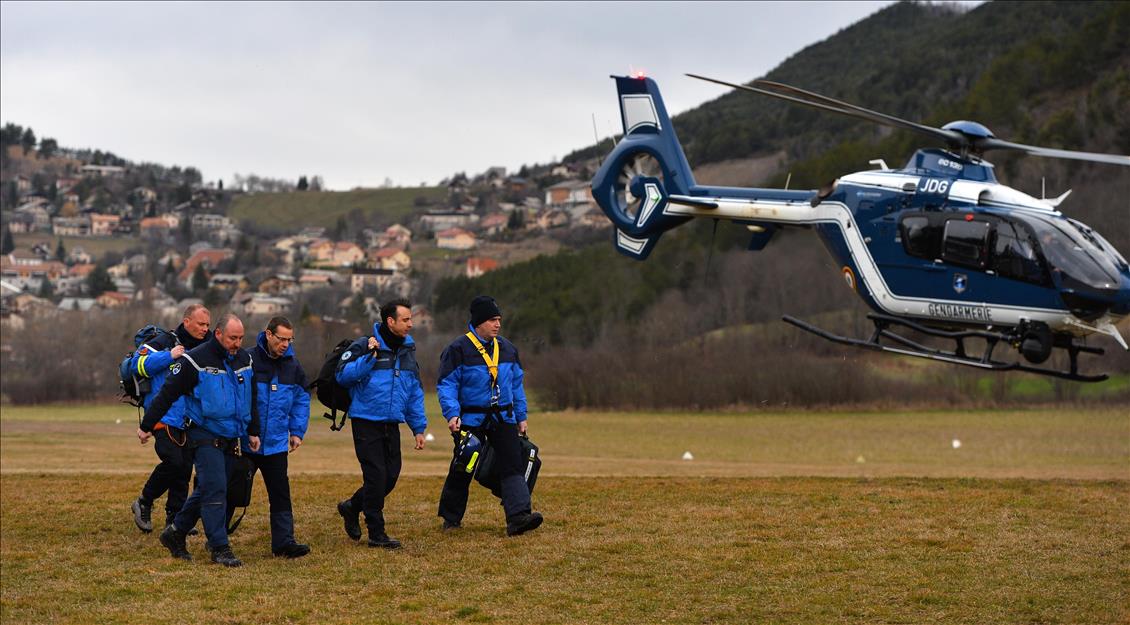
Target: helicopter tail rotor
645,168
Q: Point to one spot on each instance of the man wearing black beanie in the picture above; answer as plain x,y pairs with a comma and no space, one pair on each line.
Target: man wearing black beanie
480,390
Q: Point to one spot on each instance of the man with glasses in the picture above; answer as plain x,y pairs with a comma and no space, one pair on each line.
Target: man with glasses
284,409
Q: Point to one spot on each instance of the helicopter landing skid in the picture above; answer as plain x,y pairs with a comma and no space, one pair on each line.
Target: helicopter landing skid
908,347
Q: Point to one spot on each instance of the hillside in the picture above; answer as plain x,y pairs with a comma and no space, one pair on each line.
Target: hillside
912,60
293,210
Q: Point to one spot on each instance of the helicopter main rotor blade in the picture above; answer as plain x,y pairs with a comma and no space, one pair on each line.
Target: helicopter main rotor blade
843,108
992,143
953,137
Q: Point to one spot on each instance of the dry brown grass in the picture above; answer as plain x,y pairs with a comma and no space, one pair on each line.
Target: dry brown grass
633,534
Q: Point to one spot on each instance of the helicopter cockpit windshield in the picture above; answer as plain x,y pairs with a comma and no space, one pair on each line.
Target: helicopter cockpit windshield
1077,253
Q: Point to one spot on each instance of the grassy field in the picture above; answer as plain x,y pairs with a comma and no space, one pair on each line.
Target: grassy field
291,211
781,517
95,246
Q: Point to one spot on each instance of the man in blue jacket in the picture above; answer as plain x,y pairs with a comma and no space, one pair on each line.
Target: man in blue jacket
480,390
284,409
383,379
152,360
215,380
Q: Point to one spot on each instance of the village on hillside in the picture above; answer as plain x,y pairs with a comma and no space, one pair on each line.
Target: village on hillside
86,231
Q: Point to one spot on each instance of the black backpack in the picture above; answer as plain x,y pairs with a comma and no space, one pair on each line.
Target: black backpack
333,395
134,387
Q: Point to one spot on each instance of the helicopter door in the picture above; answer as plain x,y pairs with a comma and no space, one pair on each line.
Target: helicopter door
966,242
1014,255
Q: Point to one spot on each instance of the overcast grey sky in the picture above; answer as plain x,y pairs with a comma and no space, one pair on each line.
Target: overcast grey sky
361,92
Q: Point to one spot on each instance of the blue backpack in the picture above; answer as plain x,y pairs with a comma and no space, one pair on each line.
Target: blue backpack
134,387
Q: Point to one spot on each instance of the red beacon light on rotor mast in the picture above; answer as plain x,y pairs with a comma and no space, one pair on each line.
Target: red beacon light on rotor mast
638,74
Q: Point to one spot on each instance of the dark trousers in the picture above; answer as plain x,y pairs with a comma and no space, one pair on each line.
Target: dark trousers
515,495
378,450
273,468
170,475
208,501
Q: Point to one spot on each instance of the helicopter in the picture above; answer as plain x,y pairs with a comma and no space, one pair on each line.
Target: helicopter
938,247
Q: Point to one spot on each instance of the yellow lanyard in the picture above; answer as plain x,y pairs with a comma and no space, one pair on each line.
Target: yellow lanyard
492,364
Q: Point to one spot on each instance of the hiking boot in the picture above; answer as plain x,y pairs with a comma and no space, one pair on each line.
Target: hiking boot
293,550
449,526
142,516
173,540
352,523
191,532
522,523
224,556
384,542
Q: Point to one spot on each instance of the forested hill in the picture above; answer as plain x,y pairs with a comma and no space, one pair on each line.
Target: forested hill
913,60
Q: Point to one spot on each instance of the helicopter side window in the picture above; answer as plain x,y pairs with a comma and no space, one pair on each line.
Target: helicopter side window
1014,255
966,242
921,238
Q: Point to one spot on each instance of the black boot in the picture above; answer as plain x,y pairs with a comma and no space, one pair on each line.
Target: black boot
173,540
224,556
522,523
383,541
191,532
293,550
350,516
142,515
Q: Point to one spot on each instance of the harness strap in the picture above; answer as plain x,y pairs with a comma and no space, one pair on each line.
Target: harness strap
485,409
492,367
221,443
492,363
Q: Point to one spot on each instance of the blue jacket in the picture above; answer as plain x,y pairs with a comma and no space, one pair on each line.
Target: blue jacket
217,390
384,387
464,384
282,400
152,360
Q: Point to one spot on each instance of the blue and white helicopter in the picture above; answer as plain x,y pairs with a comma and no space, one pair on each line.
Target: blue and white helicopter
938,247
